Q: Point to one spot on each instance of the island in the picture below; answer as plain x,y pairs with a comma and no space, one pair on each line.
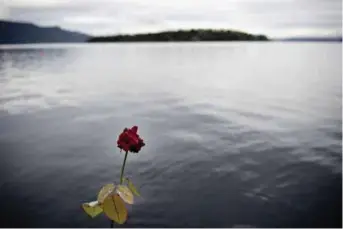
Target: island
183,35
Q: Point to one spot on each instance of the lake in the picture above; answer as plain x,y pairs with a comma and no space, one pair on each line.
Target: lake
237,134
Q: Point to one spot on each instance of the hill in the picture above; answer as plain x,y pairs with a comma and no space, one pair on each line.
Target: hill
25,33
183,35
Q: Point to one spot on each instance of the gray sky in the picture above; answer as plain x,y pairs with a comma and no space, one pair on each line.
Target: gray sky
275,18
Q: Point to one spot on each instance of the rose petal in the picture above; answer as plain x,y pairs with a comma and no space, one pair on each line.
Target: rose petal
134,129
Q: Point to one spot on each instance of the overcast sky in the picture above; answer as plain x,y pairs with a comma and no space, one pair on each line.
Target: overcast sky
275,18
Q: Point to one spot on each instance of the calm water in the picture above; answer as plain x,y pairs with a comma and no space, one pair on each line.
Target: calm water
237,133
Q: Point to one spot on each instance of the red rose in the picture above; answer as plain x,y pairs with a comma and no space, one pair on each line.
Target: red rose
129,140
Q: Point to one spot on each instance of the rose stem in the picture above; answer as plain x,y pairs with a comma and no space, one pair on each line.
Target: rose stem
122,169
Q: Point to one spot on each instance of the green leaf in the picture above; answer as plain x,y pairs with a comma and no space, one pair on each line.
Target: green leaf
92,208
132,187
105,191
125,193
114,208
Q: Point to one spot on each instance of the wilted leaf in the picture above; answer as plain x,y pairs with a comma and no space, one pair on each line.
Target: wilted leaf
92,209
132,187
114,208
105,191
125,193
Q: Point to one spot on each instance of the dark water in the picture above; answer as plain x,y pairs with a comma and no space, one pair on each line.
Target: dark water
237,133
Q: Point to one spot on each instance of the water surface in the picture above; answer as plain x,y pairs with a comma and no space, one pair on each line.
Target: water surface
237,133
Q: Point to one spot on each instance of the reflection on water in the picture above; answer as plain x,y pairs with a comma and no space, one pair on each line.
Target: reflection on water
237,133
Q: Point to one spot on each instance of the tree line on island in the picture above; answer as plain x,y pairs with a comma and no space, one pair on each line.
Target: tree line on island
183,35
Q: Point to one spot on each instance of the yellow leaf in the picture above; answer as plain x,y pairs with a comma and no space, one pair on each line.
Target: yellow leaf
114,208
105,191
132,188
92,209
125,193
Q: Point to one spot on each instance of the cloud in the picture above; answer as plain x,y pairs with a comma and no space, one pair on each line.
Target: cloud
275,18
4,12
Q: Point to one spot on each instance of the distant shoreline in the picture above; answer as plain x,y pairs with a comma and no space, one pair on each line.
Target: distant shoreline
194,35
81,44
19,33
